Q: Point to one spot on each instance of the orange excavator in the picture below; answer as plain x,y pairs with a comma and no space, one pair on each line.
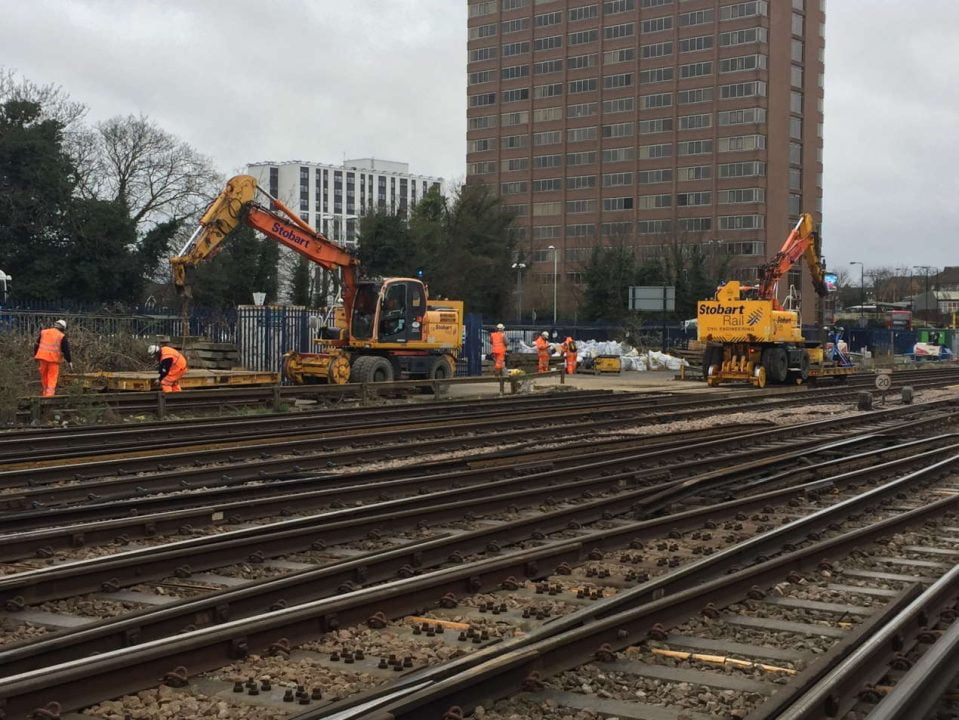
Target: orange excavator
384,329
749,336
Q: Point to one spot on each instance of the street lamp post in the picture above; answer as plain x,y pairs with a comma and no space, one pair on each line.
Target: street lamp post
555,279
519,267
862,289
925,271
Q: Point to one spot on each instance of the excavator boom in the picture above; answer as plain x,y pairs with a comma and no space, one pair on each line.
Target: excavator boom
801,242
238,204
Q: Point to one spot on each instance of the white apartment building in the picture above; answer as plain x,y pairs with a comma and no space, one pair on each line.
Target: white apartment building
332,198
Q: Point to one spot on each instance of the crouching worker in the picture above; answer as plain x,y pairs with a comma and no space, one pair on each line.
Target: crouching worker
172,365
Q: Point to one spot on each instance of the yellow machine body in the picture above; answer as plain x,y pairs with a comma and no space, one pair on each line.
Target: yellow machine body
731,319
607,364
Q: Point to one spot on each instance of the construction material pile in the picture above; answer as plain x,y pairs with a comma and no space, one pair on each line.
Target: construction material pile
630,357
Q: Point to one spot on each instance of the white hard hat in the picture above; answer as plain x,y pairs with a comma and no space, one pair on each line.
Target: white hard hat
545,334
62,324
153,349
500,326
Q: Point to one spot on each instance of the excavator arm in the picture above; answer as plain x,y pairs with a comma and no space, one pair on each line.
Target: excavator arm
803,241
237,205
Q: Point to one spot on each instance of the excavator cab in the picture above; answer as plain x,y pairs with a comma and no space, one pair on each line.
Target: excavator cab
389,312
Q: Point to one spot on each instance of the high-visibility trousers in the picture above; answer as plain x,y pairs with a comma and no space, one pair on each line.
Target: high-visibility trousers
499,362
570,363
171,383
543,362
49,373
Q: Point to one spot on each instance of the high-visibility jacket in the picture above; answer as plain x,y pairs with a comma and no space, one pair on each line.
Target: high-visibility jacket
48,346
177,362
542,345
568,346
498,342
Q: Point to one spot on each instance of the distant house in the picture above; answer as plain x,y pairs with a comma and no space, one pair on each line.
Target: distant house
948,279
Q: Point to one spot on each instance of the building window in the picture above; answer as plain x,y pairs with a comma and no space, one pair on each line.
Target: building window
547,114
614,32
697,17
695,70
583,37
580,158
547,208
795,153
517,95
482,100
547,185
651,127
738,90
481,145
483,54
483,122
745,9
514,118
548,66
618,105
550,137
512,26
615,155
514,71
742,63
514,4
481,168
649,202
691,199
482,31
546,91
656,50
695,122
649,152
548,43
580,206
625,203
580,62
574,135
581,182
742,143
513,188
584,85
657,25
613,57
585,12
654,227
542,162
694,147
743,37
795,179
614,7
513,164
617,179
742,169
655,75
694,172
482,8
742,195
695,44
581,110
513,142
546,19
693,97
795,128
652,177
648,102
518,48
619,130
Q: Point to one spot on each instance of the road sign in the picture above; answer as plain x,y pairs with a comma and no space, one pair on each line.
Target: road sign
883,381
652,297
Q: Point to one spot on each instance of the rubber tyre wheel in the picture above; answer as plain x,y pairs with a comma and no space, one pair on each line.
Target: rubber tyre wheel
776,364
804,367
362,367
381,370
440,369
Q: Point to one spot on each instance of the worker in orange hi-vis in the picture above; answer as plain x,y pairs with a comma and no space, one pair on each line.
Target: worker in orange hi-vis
497,340
569,352
52,348
172,365
542,352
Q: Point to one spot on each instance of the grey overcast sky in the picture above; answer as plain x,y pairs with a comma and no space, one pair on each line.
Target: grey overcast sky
249,80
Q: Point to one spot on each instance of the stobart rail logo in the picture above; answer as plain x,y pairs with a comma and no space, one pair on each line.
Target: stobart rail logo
290,235
720,310
754,317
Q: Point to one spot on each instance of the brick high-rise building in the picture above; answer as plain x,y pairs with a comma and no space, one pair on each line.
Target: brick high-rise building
648,122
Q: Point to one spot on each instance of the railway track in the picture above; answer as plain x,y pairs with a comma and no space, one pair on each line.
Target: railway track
313,450
371,560
438,550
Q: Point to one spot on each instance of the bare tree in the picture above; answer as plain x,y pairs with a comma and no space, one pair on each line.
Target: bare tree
53,100
155,175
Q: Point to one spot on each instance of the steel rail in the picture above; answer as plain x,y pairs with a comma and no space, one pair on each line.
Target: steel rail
236,473
464,433
372,568
818,695
80,682
577,638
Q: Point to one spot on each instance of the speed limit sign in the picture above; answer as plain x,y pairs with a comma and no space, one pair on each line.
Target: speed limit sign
883,381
